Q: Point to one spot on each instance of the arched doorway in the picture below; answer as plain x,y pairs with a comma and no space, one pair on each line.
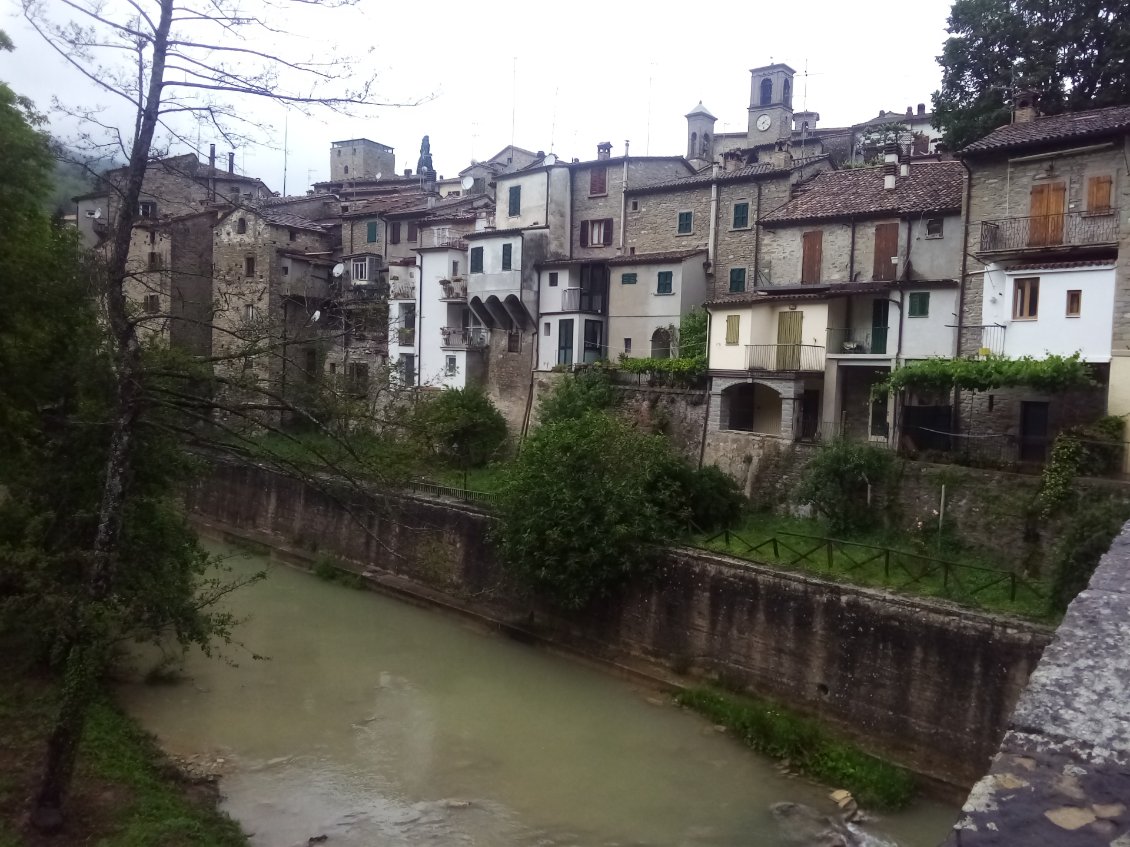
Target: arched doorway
751,407
661,344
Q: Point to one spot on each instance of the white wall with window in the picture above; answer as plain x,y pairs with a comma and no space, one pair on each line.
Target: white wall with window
445,321
1060,310
647,296
735,327
929,322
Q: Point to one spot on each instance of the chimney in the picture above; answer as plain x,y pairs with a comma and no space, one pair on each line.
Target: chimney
231,162
780,157
480,221
1024,107
921,110
212,172
627,144
909,112
539,155
890,165
408,172
604,150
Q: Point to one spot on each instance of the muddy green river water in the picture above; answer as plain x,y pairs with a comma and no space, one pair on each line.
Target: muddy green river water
374,722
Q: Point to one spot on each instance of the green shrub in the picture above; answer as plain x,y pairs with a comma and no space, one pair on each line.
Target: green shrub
1088,536
577,394
713,499
462,426
835,481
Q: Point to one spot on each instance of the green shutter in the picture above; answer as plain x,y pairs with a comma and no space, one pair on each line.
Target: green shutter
476,260
737,280
371,231
685,221
627,279
741,215
664,286
919,304
515,204
507,256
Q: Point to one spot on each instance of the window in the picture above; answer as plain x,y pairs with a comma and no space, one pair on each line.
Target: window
598,181
737,280
371,231
394,233
507,256
664,283
627,279
811,256
886,251
152,303
628,346
514,341
787,98
686,221
154,260
1074,303
413,232
1098,193
455,267
152,237
596,233
147,209
408,367
476,260
347,169
286,270
766,92
635,205
360,270
358,376
249,312
553,279
450,366
741,215
1026,299
333,365
241,226
919,306
545,329
514,205
934,227
249,266
733,324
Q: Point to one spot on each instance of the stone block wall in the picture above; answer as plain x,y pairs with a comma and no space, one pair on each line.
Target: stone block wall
928,686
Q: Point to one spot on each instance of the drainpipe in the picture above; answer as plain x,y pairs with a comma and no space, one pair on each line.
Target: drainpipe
851,253
623,199
955,419
713,215
756,241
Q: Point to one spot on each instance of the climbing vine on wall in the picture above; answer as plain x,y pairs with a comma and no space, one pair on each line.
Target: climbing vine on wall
1052,373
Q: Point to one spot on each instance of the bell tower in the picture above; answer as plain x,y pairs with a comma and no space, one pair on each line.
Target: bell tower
770,105
700,136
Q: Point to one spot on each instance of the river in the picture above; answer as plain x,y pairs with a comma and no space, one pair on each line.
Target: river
375,722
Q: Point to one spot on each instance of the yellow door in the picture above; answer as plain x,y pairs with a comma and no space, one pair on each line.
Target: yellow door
788,340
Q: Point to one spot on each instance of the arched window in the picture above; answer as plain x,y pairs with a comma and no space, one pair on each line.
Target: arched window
706,145
241,226
766,91
788,98
661,344
694,143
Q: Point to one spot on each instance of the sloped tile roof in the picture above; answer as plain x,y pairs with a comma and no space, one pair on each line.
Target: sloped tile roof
1051,129
930,187
704,176
656,258
280,218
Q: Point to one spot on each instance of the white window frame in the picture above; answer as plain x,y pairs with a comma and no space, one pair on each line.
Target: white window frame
360,270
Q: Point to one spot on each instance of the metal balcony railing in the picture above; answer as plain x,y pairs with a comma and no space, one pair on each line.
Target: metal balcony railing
984,340
784,357
1071,229
582,300
454,288
402,291
463,336
406,336
847,341
451,241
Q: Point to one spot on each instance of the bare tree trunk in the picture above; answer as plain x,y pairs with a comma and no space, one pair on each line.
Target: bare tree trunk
86,657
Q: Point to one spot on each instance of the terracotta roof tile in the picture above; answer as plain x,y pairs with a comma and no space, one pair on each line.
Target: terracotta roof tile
656,258
1048,130
704,176
930,187
279,218
1056,266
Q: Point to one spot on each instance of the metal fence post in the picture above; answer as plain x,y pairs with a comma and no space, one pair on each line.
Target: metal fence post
829,548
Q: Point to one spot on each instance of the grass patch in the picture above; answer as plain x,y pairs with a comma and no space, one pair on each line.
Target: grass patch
489,478
809,748
125,792
331,570
978,581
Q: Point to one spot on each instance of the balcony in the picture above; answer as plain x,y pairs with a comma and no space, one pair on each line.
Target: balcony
582,300
402,291
446,239
856,342
785,357
454,289
463,337
406,336
984,340
1050,232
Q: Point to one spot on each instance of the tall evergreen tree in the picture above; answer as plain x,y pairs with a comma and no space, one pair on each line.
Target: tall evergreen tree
1073,55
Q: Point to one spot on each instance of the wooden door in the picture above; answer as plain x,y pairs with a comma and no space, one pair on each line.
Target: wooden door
880,312
812,244
1047,206
789,328
886,249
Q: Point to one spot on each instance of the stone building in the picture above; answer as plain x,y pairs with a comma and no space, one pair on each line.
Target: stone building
858,272
1049,268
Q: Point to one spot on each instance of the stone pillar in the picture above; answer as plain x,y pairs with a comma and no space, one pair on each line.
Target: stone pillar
790,409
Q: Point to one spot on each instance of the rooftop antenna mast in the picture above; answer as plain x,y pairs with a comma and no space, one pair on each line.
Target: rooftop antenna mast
553,125
647,138
286,139
513,99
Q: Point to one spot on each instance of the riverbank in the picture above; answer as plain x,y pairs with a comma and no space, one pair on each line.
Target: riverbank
126,792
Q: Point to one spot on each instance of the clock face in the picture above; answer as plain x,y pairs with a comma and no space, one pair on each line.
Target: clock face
763,123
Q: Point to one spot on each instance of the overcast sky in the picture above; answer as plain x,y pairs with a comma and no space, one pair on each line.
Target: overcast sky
558,77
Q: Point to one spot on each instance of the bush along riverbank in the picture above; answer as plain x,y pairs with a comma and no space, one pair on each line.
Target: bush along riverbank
126,792
808,747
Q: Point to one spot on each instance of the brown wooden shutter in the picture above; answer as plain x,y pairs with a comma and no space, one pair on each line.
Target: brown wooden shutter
607,231
394,233
1099,193
598,181
886,248
1046,207
810,264
413,232
584,233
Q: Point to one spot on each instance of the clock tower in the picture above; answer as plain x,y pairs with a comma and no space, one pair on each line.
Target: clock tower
770,105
